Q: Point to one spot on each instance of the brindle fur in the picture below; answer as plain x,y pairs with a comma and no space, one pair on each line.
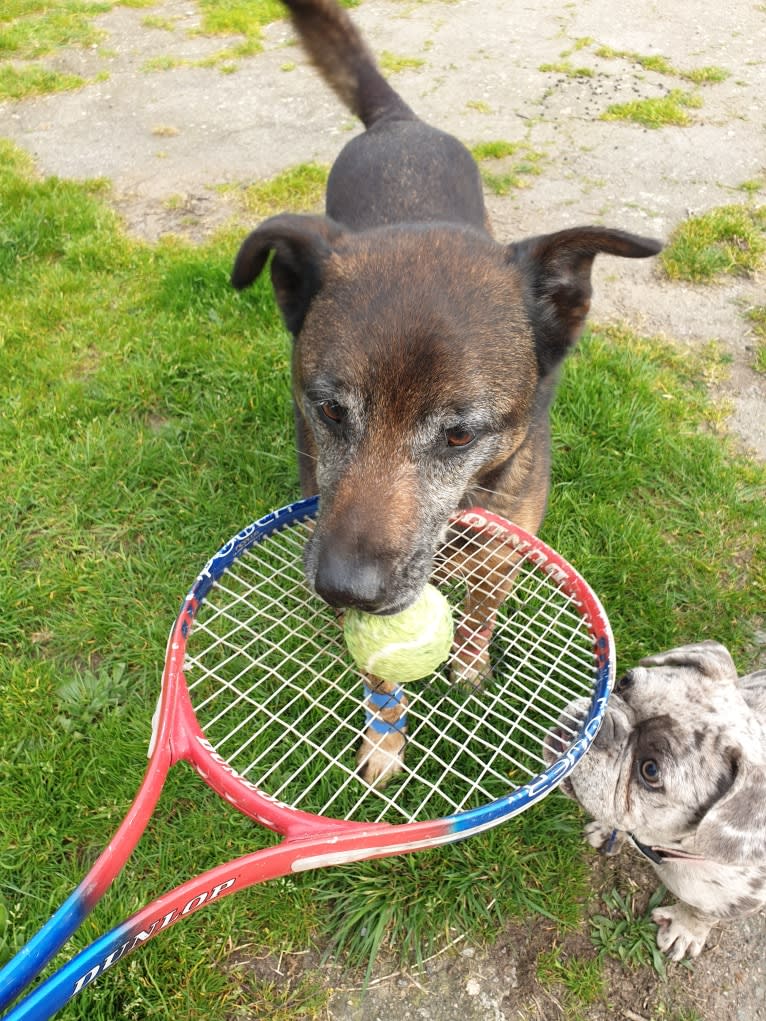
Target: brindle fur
412,327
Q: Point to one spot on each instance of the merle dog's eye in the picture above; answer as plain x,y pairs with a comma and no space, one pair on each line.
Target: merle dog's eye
649,772
332,412
459,437
623,683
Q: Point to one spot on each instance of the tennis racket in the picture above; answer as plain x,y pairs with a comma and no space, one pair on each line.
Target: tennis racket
260,697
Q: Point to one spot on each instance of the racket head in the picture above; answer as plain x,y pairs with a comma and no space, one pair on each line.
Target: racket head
272,703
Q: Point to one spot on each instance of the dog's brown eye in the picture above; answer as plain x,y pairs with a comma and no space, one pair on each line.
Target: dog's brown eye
649,772
458,437
332,411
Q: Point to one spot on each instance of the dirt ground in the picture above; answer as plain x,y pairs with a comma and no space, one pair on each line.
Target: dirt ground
166,139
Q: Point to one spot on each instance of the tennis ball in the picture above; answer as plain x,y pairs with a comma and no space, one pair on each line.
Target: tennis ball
402,646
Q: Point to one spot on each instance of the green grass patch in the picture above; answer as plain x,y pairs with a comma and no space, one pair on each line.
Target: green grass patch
705,75
36,28
145,416
505,166
19,81
669,110
725,240
298,189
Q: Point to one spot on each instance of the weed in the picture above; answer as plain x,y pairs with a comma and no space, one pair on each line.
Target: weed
627,936
88,696
725,240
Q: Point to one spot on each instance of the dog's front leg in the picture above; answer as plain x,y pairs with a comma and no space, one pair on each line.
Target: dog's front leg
486,566
381,753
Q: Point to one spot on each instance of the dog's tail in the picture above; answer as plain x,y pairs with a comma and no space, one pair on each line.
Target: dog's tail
336,47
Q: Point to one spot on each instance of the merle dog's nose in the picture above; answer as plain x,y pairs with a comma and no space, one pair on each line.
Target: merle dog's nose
346,582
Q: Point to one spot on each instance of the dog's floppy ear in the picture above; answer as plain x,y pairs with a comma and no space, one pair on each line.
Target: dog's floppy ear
301,245
710,658
557,271
733,831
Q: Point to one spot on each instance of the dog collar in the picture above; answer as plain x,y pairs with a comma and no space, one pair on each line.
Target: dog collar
660,855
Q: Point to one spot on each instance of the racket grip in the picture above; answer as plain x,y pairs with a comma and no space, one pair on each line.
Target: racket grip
35,954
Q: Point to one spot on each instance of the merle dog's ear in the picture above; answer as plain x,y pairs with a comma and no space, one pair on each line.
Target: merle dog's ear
557,268
710,658
301,246
733,830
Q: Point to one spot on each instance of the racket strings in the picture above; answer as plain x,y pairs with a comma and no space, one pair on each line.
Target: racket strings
277,695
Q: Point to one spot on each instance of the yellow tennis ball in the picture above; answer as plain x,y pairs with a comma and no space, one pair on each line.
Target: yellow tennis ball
402,646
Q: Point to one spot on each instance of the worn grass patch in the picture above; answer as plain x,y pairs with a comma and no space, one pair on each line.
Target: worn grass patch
145,416
726,240
664,111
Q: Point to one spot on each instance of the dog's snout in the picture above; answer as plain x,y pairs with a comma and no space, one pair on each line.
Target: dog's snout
346,582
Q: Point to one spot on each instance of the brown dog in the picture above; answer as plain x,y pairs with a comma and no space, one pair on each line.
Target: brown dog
425,353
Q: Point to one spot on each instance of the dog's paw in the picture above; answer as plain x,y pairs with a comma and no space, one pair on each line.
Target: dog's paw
604,838
380,756
680,932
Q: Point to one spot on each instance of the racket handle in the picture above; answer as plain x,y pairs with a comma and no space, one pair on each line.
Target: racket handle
34,955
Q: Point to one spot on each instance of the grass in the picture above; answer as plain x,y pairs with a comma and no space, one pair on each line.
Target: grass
580,980
706,75
662,112
511,163
32,30
391,63
145,416
726,240
567,68
757,318
300,187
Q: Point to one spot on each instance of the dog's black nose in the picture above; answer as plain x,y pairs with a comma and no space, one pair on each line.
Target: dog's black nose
350,582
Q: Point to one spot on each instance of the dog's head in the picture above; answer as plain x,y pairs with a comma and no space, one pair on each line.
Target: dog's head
680,758
424,362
